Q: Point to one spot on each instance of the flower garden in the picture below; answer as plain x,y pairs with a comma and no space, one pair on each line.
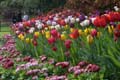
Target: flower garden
67,45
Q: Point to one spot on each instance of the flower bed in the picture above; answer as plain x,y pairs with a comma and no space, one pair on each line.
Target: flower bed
66,45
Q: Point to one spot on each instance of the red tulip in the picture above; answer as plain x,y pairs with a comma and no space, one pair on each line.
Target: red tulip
117,32
35,42
100,22
74,34
68,44
54,33
51,40
26,24
94,32
54,48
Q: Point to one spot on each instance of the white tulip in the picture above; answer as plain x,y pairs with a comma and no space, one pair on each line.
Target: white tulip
57,27
39,26
93,19
66,20
31,30
54,23
116,8
85,23
77,19
72,20
49,22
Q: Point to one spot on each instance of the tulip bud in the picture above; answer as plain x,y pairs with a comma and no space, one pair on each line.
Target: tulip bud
27,40
89,39
63,37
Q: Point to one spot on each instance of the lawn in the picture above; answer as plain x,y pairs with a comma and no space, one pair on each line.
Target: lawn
4,30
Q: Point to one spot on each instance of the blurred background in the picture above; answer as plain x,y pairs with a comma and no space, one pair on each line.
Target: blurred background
38,7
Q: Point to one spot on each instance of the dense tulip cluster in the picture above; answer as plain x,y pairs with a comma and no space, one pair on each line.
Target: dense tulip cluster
60,40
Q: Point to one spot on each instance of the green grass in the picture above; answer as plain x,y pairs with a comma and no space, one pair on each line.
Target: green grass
4,30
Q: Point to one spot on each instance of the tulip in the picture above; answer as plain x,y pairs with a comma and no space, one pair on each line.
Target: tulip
34,42
117,31
74,34
63,37
85,23
116,8
27,40
77,19
72,20
94,32
54,48
99,34
54,33
47,34
80,32
86,31
68,44
51,40
21,36
110,30
36,34
39,26
66,26
100,22
89,39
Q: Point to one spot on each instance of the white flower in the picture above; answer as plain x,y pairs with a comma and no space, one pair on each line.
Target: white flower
57,27
17,32
54,23
69,17
31,30
72,20
52,27
85,23
77,19
20,25
55,18
66,20
49,22
93,19
39,26
116,8
86,17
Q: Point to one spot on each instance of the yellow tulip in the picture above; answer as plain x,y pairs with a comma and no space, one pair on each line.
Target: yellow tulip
72,29
27,40
99,34
43,32
80,32
110,30
66,26
36,34
20,36
89,39
63,37
86,31
47,34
